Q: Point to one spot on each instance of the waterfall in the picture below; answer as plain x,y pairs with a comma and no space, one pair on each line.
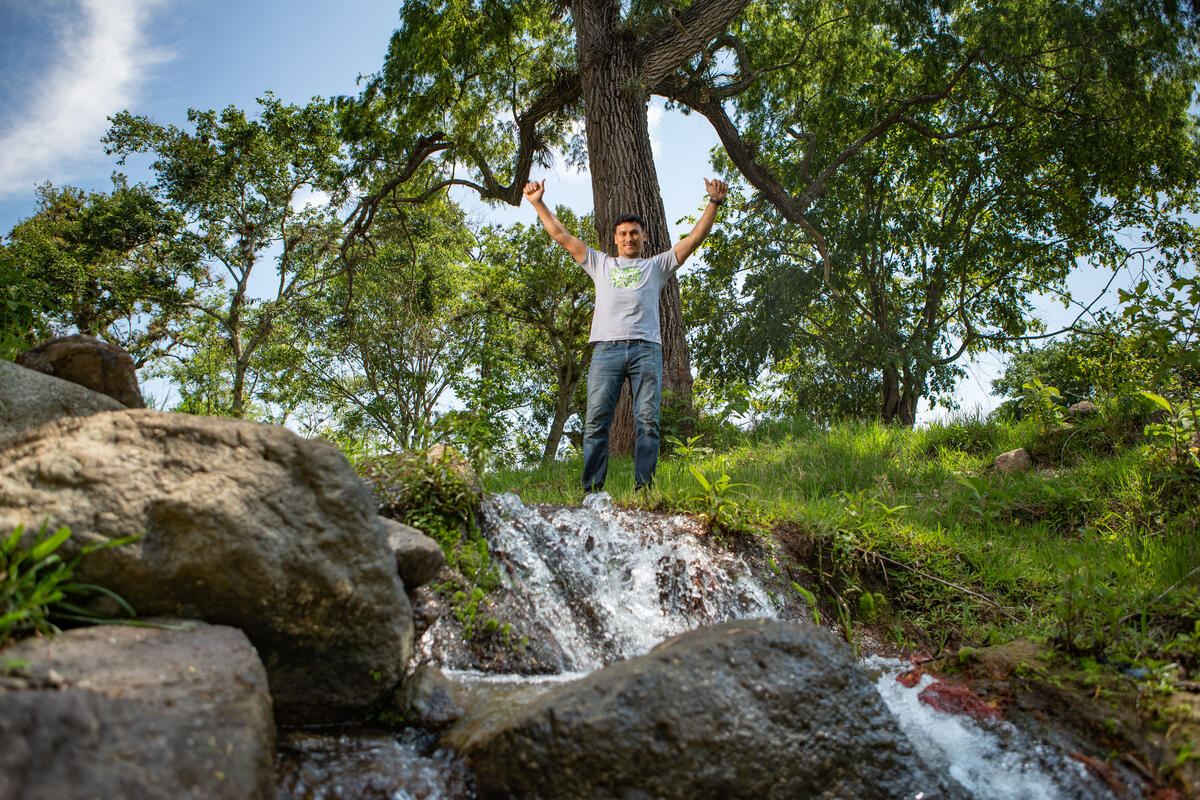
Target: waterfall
609,583
612,583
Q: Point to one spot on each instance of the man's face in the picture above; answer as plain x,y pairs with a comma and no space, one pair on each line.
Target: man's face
628,238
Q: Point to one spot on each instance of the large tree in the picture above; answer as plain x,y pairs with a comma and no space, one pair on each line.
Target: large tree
490,87
1050,127
251,190
796,91
107,264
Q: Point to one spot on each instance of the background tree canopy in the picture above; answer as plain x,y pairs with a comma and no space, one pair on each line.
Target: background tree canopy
908,176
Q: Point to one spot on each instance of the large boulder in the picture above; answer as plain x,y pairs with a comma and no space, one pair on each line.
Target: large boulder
29,398
746,709
137,712
244,524
94,363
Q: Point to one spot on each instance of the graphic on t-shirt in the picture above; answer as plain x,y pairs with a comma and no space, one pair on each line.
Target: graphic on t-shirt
625,277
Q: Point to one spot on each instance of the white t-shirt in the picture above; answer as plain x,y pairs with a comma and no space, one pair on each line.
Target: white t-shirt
627,292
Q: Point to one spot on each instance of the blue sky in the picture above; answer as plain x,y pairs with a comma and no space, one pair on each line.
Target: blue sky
66,65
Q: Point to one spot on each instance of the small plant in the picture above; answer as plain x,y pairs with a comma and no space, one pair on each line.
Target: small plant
689,450
717,496
1042,404
810,599
979,494
36,584
1089,608
847,621
1177,430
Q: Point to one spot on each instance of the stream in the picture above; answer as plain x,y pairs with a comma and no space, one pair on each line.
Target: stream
607,584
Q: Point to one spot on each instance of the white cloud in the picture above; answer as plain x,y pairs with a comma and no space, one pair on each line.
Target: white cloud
99,66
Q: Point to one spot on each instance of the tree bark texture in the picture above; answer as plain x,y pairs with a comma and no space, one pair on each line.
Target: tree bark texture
624,180
899,397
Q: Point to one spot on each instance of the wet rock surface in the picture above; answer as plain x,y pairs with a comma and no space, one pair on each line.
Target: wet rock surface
745,709
427,699
1120,740
531,648
137,712
369,765
244,524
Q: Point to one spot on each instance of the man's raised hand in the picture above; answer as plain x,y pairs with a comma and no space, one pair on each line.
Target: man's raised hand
716,189
534,190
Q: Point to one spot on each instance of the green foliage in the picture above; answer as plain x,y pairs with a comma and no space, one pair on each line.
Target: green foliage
1042,404
432,495
1093,362
1178,430
382,345
17,317
958,209
436,497
459,70
112,265
717,498
692,449
1163,310
37,585
242,186
534,284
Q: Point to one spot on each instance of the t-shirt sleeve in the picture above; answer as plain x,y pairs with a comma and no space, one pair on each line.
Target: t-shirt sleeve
592,261
665,263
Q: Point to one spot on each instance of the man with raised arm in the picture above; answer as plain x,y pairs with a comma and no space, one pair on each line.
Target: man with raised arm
625,329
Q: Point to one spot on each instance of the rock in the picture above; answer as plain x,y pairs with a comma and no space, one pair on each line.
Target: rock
427,699
245,524
1082,409
529,648
745,709
368,764
1017,460
456,462
138,712
418,558
29,398
98,365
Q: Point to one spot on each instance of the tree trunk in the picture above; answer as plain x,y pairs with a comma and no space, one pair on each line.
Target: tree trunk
568,379
899,398
624,180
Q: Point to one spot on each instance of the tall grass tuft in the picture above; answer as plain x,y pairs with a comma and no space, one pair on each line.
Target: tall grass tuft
37,587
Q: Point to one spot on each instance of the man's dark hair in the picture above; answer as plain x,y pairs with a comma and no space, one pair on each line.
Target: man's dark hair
630,218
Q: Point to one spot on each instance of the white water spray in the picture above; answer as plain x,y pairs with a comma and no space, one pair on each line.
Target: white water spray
612,583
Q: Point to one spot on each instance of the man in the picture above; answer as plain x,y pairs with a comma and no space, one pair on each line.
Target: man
625,329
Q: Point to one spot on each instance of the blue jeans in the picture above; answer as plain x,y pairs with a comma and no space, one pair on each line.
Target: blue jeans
612,362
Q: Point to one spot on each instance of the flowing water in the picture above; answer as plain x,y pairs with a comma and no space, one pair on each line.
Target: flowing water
613,583
609,583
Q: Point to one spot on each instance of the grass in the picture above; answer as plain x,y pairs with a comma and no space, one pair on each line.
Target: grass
1105,521
38,588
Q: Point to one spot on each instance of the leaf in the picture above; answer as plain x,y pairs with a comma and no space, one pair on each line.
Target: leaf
1157,400
47,546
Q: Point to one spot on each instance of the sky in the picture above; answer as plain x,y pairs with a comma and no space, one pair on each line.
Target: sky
67,65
